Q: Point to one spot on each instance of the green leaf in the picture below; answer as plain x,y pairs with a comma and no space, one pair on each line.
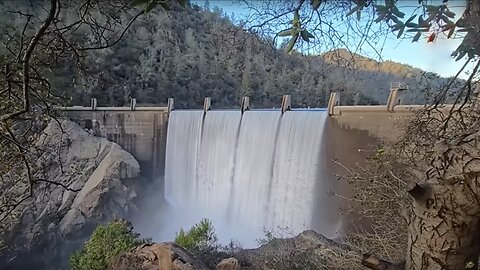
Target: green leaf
424,29
432,8
397,27
285,33
306,35
316,4
412,25
431,17
396,20
422,22
296,16
136,3
291,43
449,13
461,55
461,23
381,16
417,37
380,8
352,11
411,18
182,3
400,32
296,31
444,18
150,6
398,13
450,33
447,27
390,3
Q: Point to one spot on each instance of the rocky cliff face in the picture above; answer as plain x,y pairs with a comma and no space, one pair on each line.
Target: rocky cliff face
90,180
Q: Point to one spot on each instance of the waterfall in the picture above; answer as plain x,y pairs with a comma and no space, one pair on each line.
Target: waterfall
247,173
215,162
183,141
297,160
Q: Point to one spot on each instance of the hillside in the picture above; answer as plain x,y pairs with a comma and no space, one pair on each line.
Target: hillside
191,54
343,57
377,76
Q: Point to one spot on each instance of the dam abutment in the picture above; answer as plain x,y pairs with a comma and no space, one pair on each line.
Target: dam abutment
142,132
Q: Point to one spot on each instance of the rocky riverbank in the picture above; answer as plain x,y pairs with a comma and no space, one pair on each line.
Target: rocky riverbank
308,250
89,181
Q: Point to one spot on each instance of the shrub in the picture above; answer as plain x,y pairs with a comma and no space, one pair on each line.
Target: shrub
105,243
200,236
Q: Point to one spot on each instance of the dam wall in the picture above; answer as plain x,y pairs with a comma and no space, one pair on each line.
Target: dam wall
376,121
350,131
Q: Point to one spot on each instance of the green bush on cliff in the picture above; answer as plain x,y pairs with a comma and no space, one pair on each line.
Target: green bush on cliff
105,243
200,236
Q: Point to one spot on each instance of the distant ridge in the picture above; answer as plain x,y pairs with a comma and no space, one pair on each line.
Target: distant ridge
343,57
192,53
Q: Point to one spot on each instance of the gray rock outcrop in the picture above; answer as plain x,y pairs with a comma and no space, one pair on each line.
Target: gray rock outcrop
87,181
228,264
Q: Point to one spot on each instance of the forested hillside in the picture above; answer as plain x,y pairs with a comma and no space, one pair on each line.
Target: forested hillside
191,53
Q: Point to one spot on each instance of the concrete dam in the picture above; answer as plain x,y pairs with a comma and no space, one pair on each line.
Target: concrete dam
248,170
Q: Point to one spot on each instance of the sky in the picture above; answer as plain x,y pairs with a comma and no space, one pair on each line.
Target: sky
434,57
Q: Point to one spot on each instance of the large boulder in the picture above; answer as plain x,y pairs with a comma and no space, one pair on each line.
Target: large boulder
228,264
165,256
88,181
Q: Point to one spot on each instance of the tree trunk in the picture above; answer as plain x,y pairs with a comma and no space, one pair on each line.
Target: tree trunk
444,224
444,227
472,16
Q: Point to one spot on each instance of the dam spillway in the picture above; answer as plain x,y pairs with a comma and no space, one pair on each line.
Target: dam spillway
247,173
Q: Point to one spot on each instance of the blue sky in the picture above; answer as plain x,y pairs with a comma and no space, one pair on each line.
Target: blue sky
434,57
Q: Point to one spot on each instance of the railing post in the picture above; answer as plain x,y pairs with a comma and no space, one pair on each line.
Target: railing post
170,105
396,95
286,103
245,105
332,102
133,104
93,104
207,104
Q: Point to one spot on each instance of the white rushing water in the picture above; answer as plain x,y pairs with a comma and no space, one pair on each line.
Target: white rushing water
246,173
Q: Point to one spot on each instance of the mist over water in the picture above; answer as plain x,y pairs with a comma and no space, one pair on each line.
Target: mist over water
246,173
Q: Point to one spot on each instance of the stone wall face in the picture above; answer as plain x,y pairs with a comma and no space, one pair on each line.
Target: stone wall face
385,126
141,133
